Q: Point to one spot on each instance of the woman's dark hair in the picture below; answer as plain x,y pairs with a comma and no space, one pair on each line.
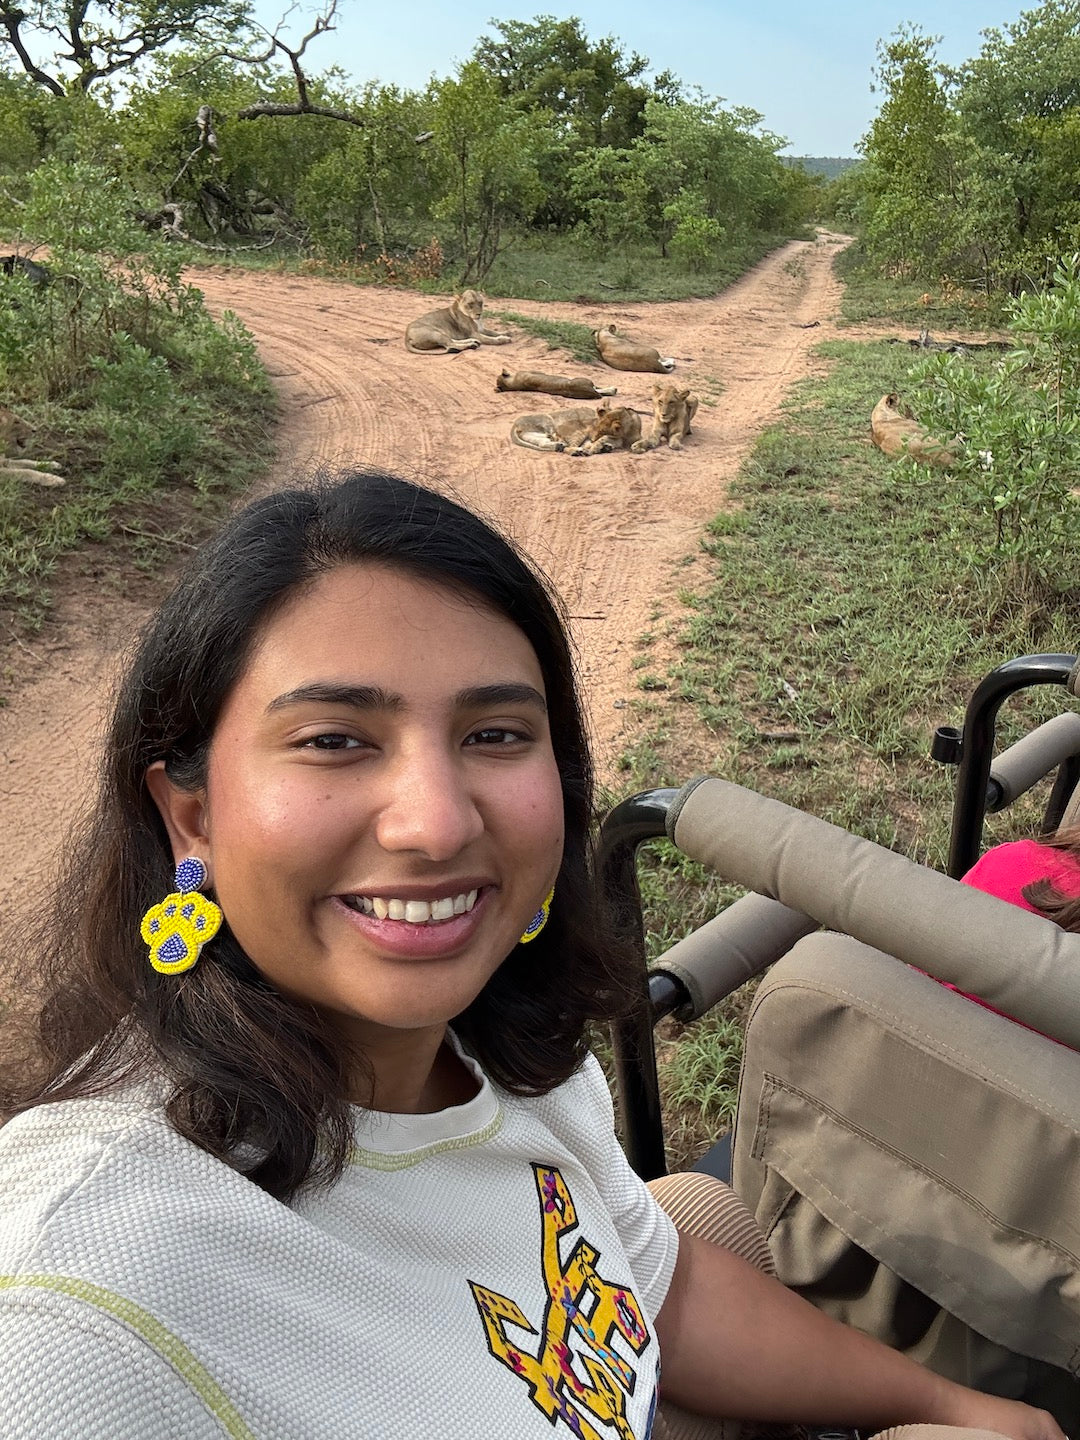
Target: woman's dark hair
1048,900
252,1076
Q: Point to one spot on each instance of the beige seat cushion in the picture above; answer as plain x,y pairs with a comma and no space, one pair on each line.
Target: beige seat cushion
889,1126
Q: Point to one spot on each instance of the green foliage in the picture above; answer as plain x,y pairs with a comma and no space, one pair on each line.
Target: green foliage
970,172
698,171
487,152
120,373
1020,421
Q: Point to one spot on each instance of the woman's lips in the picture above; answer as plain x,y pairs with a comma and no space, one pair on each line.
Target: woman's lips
400,937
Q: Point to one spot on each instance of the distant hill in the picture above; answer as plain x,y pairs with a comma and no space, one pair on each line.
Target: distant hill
828,165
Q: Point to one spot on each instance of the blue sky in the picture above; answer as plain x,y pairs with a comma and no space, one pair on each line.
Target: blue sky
806,66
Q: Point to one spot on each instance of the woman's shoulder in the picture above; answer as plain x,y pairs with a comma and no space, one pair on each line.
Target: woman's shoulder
80,1176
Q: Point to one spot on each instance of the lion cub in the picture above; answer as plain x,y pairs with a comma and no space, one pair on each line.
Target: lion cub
894,432
579,430
457,326
673,409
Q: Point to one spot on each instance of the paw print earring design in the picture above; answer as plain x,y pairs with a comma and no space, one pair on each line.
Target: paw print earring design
178,928
539,920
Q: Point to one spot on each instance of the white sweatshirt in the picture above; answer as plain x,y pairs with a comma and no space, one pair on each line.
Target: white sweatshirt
491,1270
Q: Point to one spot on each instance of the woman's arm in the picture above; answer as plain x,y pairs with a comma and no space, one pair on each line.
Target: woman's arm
737,1344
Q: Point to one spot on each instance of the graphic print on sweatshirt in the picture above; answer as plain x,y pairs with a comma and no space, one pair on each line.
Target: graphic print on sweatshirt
573,1372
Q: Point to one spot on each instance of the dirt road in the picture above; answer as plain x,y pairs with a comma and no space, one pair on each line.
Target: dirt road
609,530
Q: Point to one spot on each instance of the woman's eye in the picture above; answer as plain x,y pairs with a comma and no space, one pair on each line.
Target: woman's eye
495,735
331,741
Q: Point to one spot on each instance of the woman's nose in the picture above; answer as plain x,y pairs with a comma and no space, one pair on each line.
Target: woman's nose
429,808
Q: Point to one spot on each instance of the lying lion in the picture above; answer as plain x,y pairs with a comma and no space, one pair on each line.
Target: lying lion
622,353
579,430
14,434
456,326
894,432
673,409
573,387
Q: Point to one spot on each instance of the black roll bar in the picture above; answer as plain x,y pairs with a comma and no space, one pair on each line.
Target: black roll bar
976,794
642,817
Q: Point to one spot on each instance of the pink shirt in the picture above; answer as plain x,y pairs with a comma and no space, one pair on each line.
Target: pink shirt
1005,870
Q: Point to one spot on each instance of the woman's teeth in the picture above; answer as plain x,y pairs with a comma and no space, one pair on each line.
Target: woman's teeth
413,912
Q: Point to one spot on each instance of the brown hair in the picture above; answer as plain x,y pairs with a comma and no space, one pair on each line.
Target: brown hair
251,1076
1063,909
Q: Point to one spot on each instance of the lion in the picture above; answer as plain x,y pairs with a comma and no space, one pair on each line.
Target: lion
455,327
894,432
622,353
14,434
579,430
573,387
673,409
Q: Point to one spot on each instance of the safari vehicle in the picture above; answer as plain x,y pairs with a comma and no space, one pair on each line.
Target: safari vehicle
913,1158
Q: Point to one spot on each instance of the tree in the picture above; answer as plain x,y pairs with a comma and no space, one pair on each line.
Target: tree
1018,102
488,153
908,174
76,44
593,86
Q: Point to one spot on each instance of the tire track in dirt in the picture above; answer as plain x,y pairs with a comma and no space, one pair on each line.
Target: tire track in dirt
609,530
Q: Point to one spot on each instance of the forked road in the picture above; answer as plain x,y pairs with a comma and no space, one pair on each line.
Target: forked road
609,530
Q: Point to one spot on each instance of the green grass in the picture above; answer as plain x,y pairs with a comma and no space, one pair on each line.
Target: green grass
577,340
840,619
141,491
548,267
924,304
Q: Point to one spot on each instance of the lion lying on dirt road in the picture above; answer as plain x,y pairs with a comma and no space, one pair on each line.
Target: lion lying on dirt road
622,353
573,387
456,326
894,432
581,431
13,435
673,409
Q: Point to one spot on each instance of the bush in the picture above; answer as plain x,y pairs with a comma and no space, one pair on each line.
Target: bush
1019,422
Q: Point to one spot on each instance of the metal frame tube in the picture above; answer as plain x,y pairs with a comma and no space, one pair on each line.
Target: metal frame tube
972,801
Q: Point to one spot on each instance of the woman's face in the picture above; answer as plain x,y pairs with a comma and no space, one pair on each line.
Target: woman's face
383,813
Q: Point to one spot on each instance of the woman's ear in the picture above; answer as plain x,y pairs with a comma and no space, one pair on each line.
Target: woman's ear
184,814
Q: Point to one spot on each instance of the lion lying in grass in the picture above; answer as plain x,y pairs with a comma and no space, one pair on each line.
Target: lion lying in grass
894,432
622,353
579,430
14,434
673,409
573,387
457,326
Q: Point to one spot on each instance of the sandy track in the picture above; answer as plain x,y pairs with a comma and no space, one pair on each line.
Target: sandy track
609,530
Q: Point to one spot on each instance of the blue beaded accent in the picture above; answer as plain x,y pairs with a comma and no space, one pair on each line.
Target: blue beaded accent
190,874
172,950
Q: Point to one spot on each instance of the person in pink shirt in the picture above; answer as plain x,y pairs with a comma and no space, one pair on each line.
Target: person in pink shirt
1042,876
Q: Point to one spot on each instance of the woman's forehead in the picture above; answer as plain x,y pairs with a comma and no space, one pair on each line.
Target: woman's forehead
378,622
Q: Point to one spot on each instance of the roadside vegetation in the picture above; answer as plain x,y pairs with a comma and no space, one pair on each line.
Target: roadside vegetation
842,606
151,411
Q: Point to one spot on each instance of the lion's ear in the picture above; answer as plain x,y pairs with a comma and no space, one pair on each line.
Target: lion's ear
683,394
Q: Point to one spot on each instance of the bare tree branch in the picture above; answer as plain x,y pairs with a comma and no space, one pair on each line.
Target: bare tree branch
11,17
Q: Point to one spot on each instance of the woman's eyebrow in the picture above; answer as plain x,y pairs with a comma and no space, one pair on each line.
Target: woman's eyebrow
374,697
322,692
480,697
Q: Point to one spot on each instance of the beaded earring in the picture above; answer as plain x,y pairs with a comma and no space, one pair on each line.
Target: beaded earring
539,920
178,928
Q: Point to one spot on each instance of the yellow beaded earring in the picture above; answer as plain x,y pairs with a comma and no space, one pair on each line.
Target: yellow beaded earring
539,920
178,928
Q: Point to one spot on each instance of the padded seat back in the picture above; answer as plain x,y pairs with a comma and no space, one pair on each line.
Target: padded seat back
914,1160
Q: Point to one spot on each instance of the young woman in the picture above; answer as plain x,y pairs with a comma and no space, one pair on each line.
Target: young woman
324,1155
